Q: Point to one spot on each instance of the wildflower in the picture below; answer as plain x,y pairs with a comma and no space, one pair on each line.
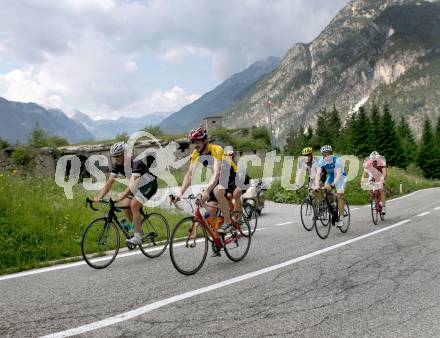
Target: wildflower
13,172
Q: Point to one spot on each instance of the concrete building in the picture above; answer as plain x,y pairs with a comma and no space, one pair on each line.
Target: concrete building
212,122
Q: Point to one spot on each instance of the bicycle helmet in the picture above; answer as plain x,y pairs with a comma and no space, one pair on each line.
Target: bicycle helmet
374,156
229,151
117,149
198,134
326,149
307,151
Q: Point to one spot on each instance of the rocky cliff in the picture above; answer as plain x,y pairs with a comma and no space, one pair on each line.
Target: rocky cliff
373,50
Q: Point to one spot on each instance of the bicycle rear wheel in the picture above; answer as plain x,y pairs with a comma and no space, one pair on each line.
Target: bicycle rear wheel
308,218
347,218
237,240
323,214
100,243
188,246
251,215
156,235
382,216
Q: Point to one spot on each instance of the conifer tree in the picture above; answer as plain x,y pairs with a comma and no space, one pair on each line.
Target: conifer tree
389,143
362,134
426,158
334,126
323,133
348,136
407,140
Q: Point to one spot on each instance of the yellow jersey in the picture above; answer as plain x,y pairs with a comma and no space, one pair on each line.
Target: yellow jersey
216,152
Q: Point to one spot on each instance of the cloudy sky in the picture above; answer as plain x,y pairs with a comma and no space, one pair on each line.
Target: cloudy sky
110,58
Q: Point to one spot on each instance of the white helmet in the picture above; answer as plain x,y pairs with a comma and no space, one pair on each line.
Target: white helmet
117,149
326,149
229,151
374,156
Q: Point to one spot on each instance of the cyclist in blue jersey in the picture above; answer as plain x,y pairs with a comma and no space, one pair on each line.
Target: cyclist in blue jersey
336,177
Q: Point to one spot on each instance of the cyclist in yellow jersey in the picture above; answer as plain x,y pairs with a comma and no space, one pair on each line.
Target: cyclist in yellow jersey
212,156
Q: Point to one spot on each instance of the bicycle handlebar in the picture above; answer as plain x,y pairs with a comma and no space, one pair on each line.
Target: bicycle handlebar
104,201
189,198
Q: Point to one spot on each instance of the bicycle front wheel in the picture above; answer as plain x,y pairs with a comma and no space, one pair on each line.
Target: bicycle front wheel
237,240
251,215
188,246
347,218
374,211
156,235
100,243
307,214
323,214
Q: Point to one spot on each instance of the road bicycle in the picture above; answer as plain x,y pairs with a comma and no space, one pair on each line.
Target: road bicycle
101,238
191,236
328,214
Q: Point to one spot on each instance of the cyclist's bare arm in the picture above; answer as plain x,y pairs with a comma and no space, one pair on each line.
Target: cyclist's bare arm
132,186
106,188
318,176
186,181
384,172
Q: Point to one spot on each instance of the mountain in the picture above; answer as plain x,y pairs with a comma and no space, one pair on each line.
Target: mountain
19,119
108,129
372,51
220,98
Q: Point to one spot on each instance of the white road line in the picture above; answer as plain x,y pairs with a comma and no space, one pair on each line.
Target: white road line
73,265
291,222
353,209
424,213
156,305
437,208
405,196
57,267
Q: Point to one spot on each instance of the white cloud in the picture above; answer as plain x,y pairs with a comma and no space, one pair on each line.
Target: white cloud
86,54
179,53
27,85
161,101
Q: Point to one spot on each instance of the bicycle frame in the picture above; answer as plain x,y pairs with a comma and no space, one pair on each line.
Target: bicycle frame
330,205
111,214
199,218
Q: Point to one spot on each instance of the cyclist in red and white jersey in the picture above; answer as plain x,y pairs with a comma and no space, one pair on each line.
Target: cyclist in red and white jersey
376,170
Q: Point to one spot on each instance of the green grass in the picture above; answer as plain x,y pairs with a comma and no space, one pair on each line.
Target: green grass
38,224
353,192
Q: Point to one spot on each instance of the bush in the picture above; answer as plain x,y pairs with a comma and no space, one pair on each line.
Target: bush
22,155
261,133
39,139
3,143
154,130
57,141
123,137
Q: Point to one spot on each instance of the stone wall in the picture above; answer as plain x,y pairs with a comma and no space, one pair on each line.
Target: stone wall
44,160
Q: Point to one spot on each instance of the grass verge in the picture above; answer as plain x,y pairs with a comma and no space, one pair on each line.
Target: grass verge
38,224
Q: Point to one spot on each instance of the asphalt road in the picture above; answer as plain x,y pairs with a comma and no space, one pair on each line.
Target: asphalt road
374,281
